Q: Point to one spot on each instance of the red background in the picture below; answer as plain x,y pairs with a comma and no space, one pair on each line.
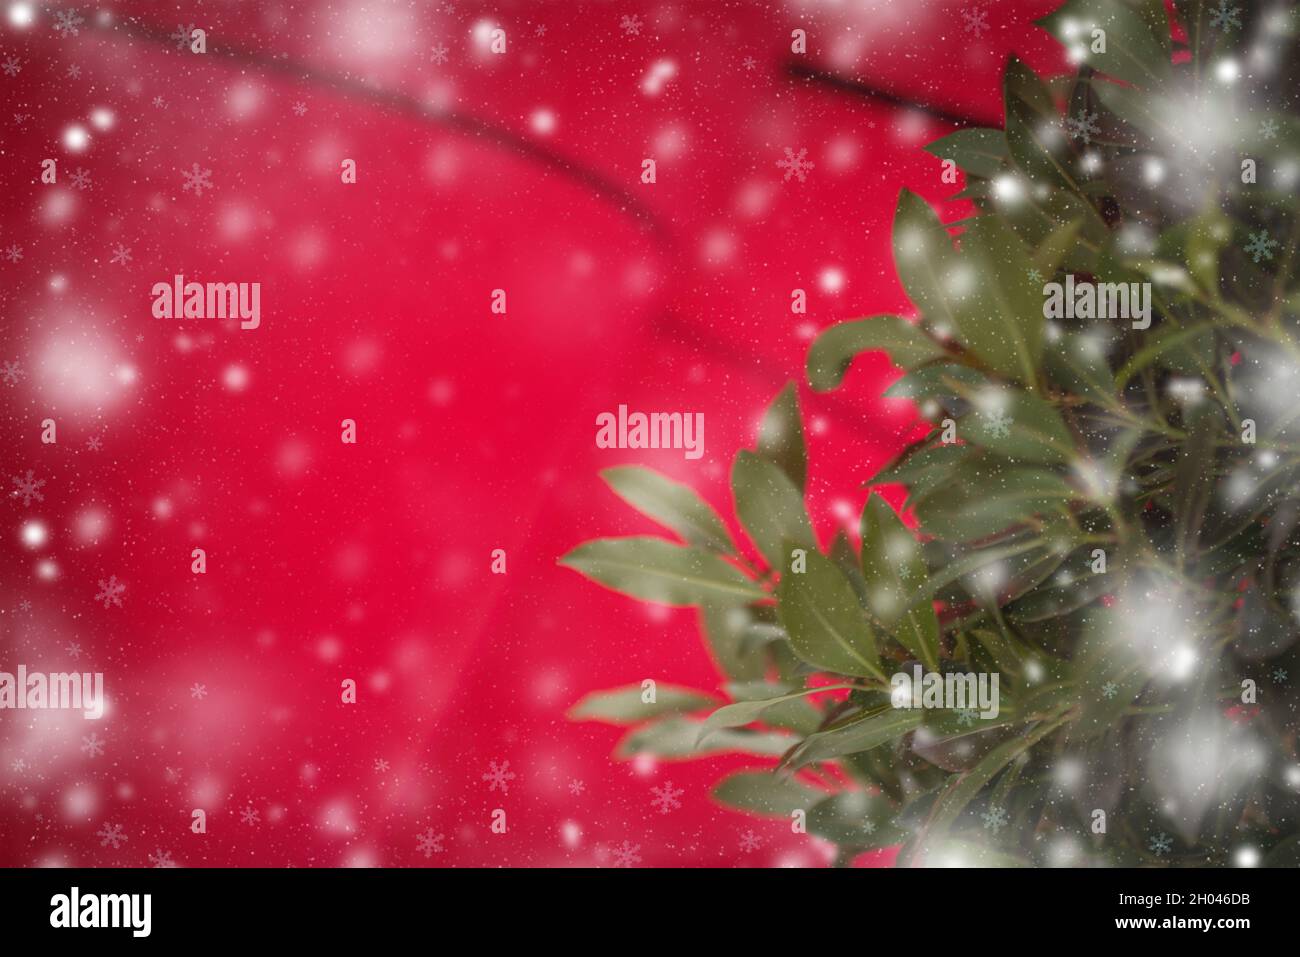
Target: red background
476,431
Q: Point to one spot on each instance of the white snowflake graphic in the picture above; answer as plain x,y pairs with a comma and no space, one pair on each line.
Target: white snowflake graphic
795,164
499,776
19,766
996,818
576,787
631,26
80,179
627,854
196,179
1261,246
966,717
1082,127
438,54
749,63
250,815
198,692
1160,844
73,649
92,745
998,424
112,834
975,20
66,23
1268,129
1109,690
300,108
121,254
10,373
74,72
11,66
182,36
429,843
110,592
29,488
750,842
666,798
94,443
14,253
381,765
1226,18
161,858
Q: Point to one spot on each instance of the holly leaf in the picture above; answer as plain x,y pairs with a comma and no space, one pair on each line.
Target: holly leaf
654,569
671,504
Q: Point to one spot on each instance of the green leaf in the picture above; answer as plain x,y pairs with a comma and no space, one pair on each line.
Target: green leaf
1055,251
894,569
729,628
770,508
833,351
860,735
1035,132
985,497
654,569
924,468
624,705
977,150
943,381
826,625
671,504
1137,48
780,436
763,792
1018,425
742,713
674,739
857,820
982,294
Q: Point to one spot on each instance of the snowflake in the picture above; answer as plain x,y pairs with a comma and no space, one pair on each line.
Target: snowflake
995,819
1268,129
499,777
749,842
1034,276
161,858
66,23
1082,127
110,592
250,815
1279,675
11,66
121,254
111,834
10,373
29,488
74,72
576,787
539,30
94,443
627,855
14,253
81,178
998,424
665,798
869,827
24,605
438,54
381,765
429,843
1160,844
976,21
966,717
182,35
1109,690
1226,18
630,25
749,63
73,649
300,108
197,180
158,102
1261,246
21,118
92,745
795,164
198,692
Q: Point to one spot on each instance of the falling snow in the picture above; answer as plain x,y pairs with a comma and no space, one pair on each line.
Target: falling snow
795,164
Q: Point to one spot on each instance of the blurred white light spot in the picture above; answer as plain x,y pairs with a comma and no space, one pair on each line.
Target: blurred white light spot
21,14
102,118
75,138
34,534
831,280
1227,71
235,378
543,122
47,570
1246,857
657,77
